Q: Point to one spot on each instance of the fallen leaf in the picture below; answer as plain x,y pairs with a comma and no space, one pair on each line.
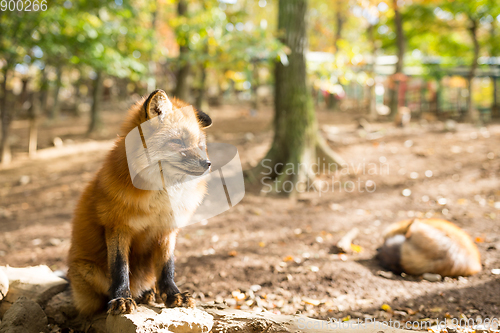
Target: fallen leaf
386,307
356,248
256,211
411,312
436,329
311,301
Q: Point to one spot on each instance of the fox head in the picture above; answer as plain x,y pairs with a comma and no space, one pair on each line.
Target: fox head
172,141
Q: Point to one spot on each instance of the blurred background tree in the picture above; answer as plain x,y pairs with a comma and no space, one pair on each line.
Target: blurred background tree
372,57
297,143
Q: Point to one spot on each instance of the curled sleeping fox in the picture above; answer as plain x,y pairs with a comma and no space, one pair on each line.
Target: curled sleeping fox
429,246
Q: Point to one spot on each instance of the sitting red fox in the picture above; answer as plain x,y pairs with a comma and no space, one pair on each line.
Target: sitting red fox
429,246
123,237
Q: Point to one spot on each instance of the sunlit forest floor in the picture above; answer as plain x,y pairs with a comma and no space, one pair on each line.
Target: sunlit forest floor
276,254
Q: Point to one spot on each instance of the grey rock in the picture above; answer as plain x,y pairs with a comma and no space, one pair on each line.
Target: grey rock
37,283
61,310
24,316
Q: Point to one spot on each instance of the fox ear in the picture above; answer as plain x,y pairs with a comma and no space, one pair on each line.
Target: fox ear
204,119
157,105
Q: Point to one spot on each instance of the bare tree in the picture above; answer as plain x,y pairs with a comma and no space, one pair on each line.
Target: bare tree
400,45
182,87
5,116
296,146
472,113
95,114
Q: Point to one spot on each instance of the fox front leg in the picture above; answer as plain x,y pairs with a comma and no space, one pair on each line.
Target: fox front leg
121,302
169,292
166,287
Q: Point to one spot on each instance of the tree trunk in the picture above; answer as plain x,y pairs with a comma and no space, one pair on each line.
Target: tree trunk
54,111
200,99
372,106
23,97
44,91
123,88
182,87
293,150
95,115
437,98
200,102
422,100
78,93
400,43
339,22
255,88
472,113
33,117
5,116
332,102
494,108
152,65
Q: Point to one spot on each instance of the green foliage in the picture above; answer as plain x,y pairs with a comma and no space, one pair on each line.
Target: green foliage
98,34
118,37
222,37
16,35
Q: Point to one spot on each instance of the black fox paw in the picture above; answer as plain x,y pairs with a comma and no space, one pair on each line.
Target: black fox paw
148,297
178,300
121,305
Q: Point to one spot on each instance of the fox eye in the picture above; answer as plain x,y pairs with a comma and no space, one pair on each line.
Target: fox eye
176,141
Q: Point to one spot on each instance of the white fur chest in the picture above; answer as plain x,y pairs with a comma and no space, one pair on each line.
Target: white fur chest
171,208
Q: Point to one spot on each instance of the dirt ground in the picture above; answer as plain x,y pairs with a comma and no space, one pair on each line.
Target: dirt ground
278,254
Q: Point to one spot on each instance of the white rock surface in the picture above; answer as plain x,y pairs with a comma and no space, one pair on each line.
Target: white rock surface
230,320
161,320
37,283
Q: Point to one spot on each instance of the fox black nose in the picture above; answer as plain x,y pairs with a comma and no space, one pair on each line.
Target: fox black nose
206,163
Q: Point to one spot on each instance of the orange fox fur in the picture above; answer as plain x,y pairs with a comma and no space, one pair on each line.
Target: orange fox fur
123,238
429,246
